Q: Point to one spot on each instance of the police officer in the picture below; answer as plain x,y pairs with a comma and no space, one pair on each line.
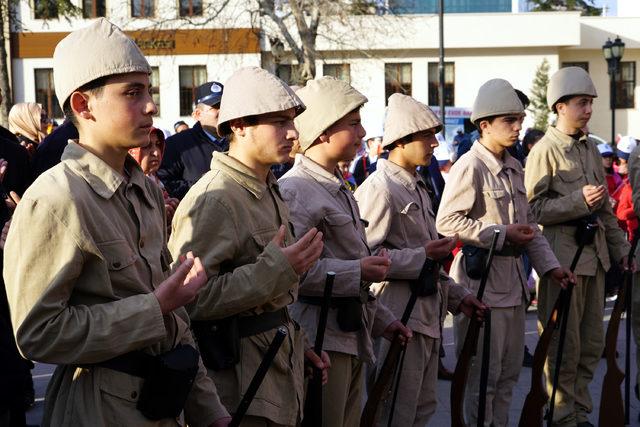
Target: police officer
486,192
188,153
235,218
395,202
86,266
565,182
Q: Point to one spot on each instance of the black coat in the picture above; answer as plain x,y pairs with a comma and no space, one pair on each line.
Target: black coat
50,150
187,157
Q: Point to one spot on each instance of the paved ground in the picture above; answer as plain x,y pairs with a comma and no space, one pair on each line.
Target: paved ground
42,374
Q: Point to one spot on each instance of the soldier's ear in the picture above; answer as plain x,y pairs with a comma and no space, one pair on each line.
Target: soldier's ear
238,127
324,137
79,103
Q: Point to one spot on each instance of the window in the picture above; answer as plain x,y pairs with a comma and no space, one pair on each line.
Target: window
190,7
142,8
93,8
154,80
625,85
289,73
339,71
583,65
45,93
397,79
191,77
449,84
45,9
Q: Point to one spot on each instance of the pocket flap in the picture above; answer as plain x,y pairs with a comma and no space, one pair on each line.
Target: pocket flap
569,175
117,253
495,194
338,219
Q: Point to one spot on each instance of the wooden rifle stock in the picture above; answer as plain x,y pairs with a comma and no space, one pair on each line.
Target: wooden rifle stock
384,381
532,410
313,399
612,408
469,346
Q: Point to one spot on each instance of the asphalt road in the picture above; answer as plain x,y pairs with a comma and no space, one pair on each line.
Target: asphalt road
42,374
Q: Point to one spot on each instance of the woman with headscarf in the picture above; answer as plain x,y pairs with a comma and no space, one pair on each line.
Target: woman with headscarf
149,158
28,121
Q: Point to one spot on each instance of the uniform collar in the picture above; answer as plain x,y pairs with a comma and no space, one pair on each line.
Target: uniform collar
563,140
495,166
99,175
399,173
332,182
244,176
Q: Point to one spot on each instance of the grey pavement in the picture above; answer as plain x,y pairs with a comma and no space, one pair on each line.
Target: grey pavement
42,375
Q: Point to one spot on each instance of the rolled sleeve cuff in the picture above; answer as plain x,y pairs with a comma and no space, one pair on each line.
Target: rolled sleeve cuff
280,263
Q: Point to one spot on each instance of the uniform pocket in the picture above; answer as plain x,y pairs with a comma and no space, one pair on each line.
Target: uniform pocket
337,220
117,254
569,176
495,193
262,238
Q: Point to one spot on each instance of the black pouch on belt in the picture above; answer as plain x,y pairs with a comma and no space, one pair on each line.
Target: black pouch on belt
168,383
349,315
218,341
475,259
586,229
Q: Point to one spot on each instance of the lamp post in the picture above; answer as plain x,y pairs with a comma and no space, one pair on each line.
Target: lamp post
613,51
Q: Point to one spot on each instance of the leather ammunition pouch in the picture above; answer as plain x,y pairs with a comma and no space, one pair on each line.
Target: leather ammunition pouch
350,310
168,379
219,340
427,284
475,258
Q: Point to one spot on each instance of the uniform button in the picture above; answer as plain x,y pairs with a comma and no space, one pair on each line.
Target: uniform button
134,394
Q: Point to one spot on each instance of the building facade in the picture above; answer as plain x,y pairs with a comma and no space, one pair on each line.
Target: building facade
378,55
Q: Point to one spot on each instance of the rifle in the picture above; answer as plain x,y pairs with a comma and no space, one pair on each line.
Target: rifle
257,379
390,364
584,238
459,382
612,411
313,400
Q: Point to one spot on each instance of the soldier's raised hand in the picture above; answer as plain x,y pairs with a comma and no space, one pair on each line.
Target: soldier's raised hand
183,285
519,234
375,268
593,195
303,253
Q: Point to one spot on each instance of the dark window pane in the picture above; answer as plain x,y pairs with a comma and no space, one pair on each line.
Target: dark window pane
397,79
289,73
625,85
449,84
93,8
45,93
142,8
45,9
190,7
339,71
190,78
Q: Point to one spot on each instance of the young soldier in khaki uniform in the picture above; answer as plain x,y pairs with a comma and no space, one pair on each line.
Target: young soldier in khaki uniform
395,202
236,220
330,131
565,182
86,264
489,194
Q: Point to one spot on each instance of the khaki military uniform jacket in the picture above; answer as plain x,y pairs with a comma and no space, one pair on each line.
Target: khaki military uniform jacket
321,199
398,208
557,169
83,256
485,194
228,219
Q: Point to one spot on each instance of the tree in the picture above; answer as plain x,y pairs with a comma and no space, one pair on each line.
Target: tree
9,19
538,98
587,7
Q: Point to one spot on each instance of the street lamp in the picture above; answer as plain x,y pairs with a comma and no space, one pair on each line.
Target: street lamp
613,51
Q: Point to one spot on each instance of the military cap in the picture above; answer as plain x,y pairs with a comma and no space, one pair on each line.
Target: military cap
406,116
569,81
328,100
495,98
96,51
252,91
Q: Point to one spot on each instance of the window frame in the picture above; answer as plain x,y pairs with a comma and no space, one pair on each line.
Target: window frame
190,9
346,68
142,8
389,86
629,101
181,88
51,103
52,6
449,87
94,9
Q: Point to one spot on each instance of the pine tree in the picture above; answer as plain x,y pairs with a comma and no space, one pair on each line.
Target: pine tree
538,98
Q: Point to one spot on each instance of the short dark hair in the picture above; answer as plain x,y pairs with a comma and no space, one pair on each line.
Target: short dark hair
531,137
490,119
564,100
179,123
95,87
524,99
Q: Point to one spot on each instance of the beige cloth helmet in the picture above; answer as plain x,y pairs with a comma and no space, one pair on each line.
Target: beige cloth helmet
328,100
496,98
99,50
252,91
406,116
569,81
